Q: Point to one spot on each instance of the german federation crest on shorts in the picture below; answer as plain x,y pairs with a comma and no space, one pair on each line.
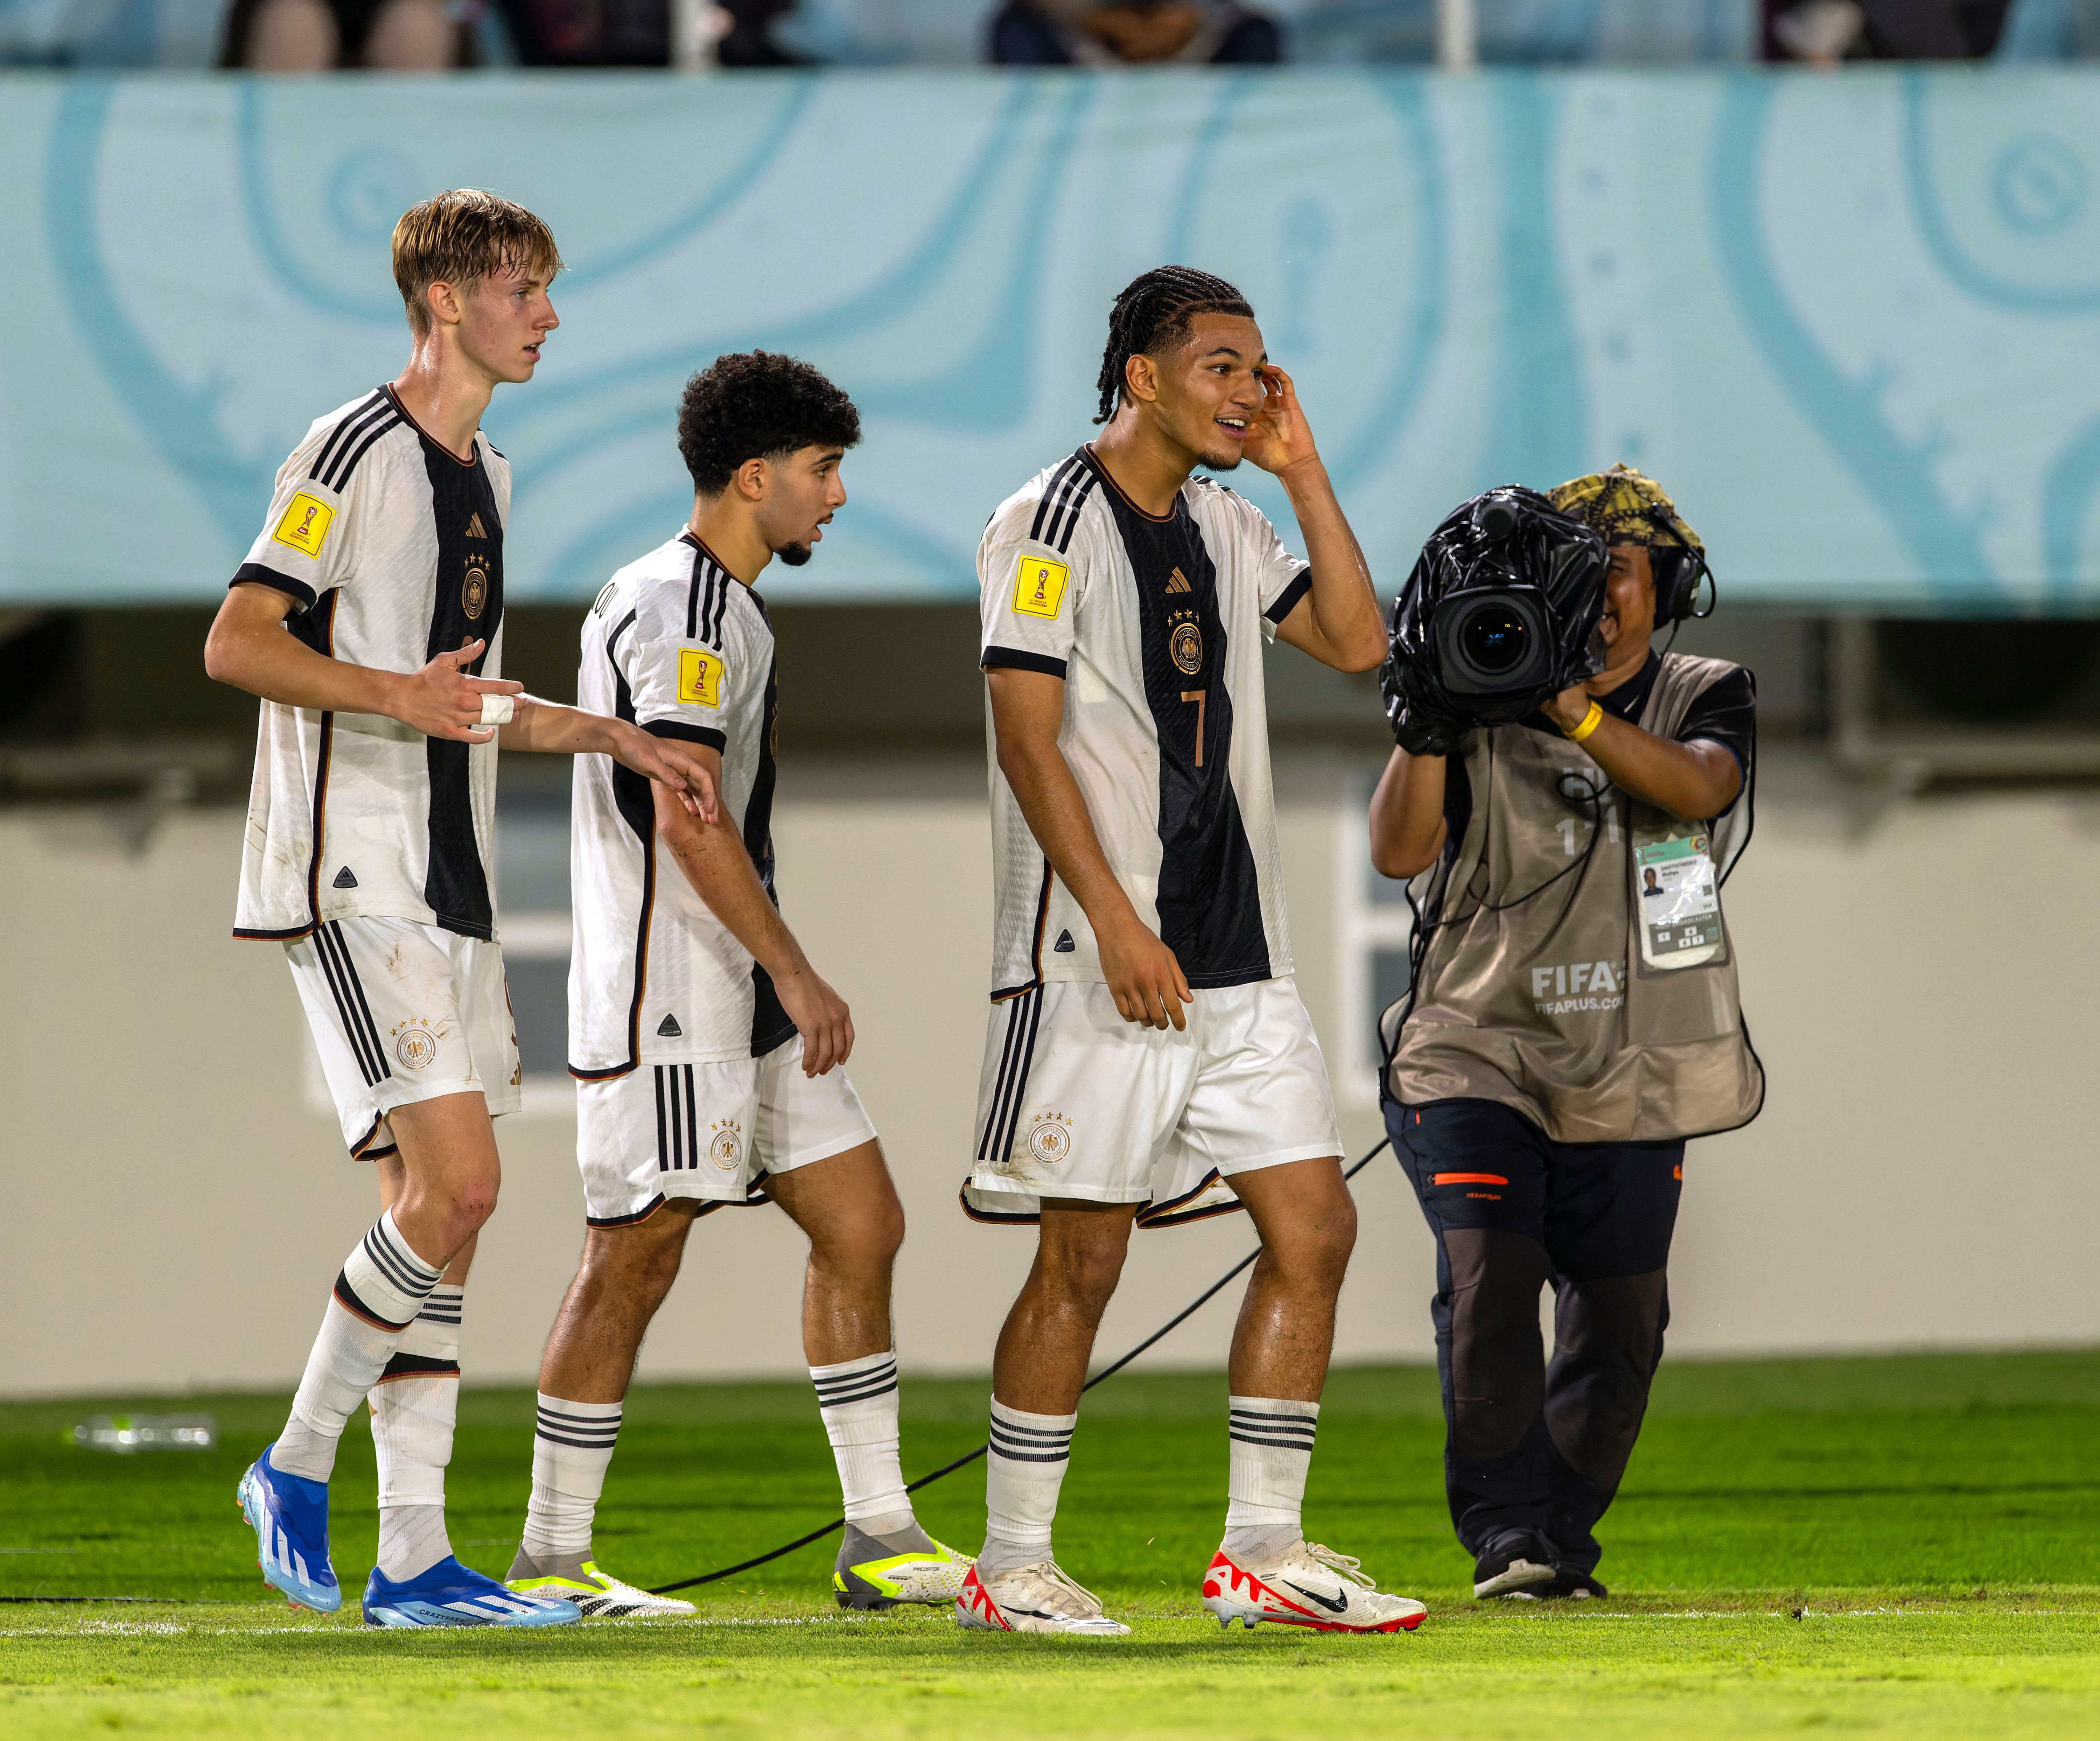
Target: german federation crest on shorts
725,1145
1050,1137
414,1044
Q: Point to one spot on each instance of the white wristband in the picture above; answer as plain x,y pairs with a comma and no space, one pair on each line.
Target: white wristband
498,710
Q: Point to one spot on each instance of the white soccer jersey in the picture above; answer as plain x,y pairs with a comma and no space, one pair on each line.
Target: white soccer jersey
677,643
394,549
1156,625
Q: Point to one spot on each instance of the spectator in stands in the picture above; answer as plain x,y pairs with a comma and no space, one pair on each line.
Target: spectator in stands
749,41
1126,32
318,36
2051,30
1825,32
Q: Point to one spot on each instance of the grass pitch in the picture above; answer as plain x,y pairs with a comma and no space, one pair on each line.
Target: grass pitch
1899,1546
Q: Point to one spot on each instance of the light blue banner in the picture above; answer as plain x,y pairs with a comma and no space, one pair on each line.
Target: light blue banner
1852,323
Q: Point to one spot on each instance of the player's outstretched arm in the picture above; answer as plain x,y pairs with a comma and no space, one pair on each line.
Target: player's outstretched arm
552,729
1027,712
1338,620
713,856
248,649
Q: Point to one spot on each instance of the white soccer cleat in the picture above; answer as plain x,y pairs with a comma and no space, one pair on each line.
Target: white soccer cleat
1306,1585
601,1596
1037,1598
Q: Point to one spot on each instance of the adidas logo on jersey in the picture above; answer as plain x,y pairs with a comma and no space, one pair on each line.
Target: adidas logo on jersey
1178,582
668,1029
475,529
1064,946
344,880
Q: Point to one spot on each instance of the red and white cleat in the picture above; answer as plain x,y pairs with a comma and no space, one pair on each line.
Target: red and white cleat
1033,1598
1307,1585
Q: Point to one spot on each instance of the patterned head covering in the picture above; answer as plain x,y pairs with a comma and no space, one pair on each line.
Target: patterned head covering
1626,507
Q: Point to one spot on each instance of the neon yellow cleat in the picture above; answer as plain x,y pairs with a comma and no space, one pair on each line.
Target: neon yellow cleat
878,1572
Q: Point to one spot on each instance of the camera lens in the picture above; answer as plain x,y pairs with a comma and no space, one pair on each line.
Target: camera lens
1495,639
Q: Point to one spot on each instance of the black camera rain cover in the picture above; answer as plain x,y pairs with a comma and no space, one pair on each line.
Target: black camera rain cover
1508,537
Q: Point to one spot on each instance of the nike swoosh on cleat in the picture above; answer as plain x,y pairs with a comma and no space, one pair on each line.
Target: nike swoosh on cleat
1340,1605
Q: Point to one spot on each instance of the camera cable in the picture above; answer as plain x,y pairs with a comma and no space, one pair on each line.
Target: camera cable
969,1457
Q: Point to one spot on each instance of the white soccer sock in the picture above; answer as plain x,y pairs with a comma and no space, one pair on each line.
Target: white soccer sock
1029,1454
383,1286
571,1451
859,1401
414,1406
1272,1452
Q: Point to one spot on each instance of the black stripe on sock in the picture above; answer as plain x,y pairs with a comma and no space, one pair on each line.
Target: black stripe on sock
347,1298
416,1365
840,1398
386,1258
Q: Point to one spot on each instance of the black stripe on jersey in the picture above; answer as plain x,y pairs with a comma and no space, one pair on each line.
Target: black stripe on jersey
1019,658
1287,601
349,465
1052,492
456,883
707,598
261,574
770,1027
684,733
1036,947
340,436
1066,521
1209,895
315,627
632,798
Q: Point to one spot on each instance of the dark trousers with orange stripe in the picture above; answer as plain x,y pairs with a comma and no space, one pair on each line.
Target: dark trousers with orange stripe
1533,1443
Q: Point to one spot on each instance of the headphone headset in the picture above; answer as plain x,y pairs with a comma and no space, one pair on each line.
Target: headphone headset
1677,598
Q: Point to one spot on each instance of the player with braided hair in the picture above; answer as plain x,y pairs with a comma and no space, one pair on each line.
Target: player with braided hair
1149,1061
1153,314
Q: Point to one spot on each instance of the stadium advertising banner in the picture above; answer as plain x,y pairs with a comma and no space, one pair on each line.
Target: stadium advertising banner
1852,323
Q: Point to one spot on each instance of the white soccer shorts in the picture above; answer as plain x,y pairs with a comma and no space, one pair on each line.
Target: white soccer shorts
1076,1102
401,1012
711,1132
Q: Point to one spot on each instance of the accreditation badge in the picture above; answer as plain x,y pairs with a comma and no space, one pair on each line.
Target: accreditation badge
1677,901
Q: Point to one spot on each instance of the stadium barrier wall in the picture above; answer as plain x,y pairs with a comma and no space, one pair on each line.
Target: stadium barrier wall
1852,321
1918,981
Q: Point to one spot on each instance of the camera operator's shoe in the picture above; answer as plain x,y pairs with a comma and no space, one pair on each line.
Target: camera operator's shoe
1569,1586
289,1515
879,1572
1515,1561
1305,1585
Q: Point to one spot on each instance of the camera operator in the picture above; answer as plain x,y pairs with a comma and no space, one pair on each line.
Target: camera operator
1573,1018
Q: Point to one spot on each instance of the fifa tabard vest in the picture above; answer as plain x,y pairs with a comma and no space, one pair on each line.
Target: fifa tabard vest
1545,1004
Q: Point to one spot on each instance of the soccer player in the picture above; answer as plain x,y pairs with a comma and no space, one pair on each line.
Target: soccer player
708,1054
1148,1059
368,617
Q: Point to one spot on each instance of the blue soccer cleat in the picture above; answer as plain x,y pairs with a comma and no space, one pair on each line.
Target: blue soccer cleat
449,1594
289,1516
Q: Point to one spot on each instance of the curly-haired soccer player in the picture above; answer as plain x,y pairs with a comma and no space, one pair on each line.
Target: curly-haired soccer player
1149,1059
710,1056
368,617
